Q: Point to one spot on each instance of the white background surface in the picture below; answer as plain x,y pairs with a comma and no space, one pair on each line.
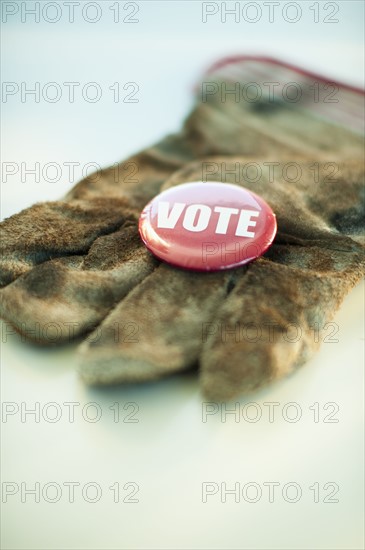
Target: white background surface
170,451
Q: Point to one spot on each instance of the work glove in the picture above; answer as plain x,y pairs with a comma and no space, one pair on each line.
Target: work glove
78,268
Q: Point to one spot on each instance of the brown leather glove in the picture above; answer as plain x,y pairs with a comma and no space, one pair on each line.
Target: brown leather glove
76,265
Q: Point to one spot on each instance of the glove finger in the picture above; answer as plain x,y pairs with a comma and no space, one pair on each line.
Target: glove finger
97,205
60,299
74,293
156,329
266,326
50,230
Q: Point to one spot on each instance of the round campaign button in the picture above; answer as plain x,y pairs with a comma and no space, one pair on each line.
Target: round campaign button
207,226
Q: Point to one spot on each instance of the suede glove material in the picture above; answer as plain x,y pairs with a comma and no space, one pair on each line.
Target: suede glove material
77,267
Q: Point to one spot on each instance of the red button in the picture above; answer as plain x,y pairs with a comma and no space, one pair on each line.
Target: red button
207,226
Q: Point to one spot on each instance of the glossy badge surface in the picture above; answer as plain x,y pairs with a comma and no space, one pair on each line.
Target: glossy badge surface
207,226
